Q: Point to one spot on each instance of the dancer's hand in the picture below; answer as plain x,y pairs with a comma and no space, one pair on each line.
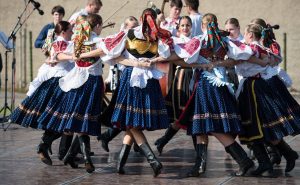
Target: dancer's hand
146,63
50,62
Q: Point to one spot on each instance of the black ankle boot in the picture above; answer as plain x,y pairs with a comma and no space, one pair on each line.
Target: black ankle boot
69,158
123,158
161,142
64,145
265,167
240,156
274,154
84,140
43,148
289,154
107,136
200,164
148,153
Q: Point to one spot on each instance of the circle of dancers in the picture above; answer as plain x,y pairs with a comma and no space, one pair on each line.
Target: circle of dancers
220,83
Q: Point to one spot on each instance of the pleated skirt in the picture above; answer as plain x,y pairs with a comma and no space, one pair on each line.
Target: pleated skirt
77,110
210,109
265,115
141,108
31,108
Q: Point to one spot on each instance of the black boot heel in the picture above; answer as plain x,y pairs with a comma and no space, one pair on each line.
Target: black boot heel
107,136
84,142
123,158
43,148
64,145
152,160
240,156
289,154
161,142
265,167
71,162
69,158
200,164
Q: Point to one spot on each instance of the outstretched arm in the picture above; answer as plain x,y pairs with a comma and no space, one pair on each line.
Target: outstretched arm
230,62
262,62
226,63
133,62
60,57
94,53
194,65
174,58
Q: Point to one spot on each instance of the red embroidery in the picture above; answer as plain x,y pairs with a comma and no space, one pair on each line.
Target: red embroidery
257,50
59,46
207,53
191,46
110,43
81,63
275,48
239,44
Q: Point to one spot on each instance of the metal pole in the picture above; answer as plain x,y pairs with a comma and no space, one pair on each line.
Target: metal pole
21,59
284,52
30,53
25,58
13,74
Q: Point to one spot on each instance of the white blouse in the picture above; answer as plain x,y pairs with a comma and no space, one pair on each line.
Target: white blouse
139,75
46,71
79,75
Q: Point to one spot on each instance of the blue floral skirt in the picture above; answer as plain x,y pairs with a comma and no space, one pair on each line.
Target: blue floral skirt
210,109
265,116
77,110
139,108
28,112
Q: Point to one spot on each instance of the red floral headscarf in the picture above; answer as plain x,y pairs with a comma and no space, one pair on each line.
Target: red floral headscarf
152,31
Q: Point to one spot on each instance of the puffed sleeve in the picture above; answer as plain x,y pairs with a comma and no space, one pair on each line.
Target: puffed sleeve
238,50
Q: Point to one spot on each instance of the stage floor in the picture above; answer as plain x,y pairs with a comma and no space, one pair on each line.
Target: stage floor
20,164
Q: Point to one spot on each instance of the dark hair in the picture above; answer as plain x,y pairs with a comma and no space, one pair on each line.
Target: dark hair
132,18
184,17
194,4
267,31
61,26
151,11
176,3
59,9
233,21
99,2
255,29
94,19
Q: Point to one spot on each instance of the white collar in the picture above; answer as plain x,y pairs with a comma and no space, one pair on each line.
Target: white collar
60,38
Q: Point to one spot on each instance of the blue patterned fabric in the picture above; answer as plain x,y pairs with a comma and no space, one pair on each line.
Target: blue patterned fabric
281,90
210,109
139,108
77,110
28,112
265,116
